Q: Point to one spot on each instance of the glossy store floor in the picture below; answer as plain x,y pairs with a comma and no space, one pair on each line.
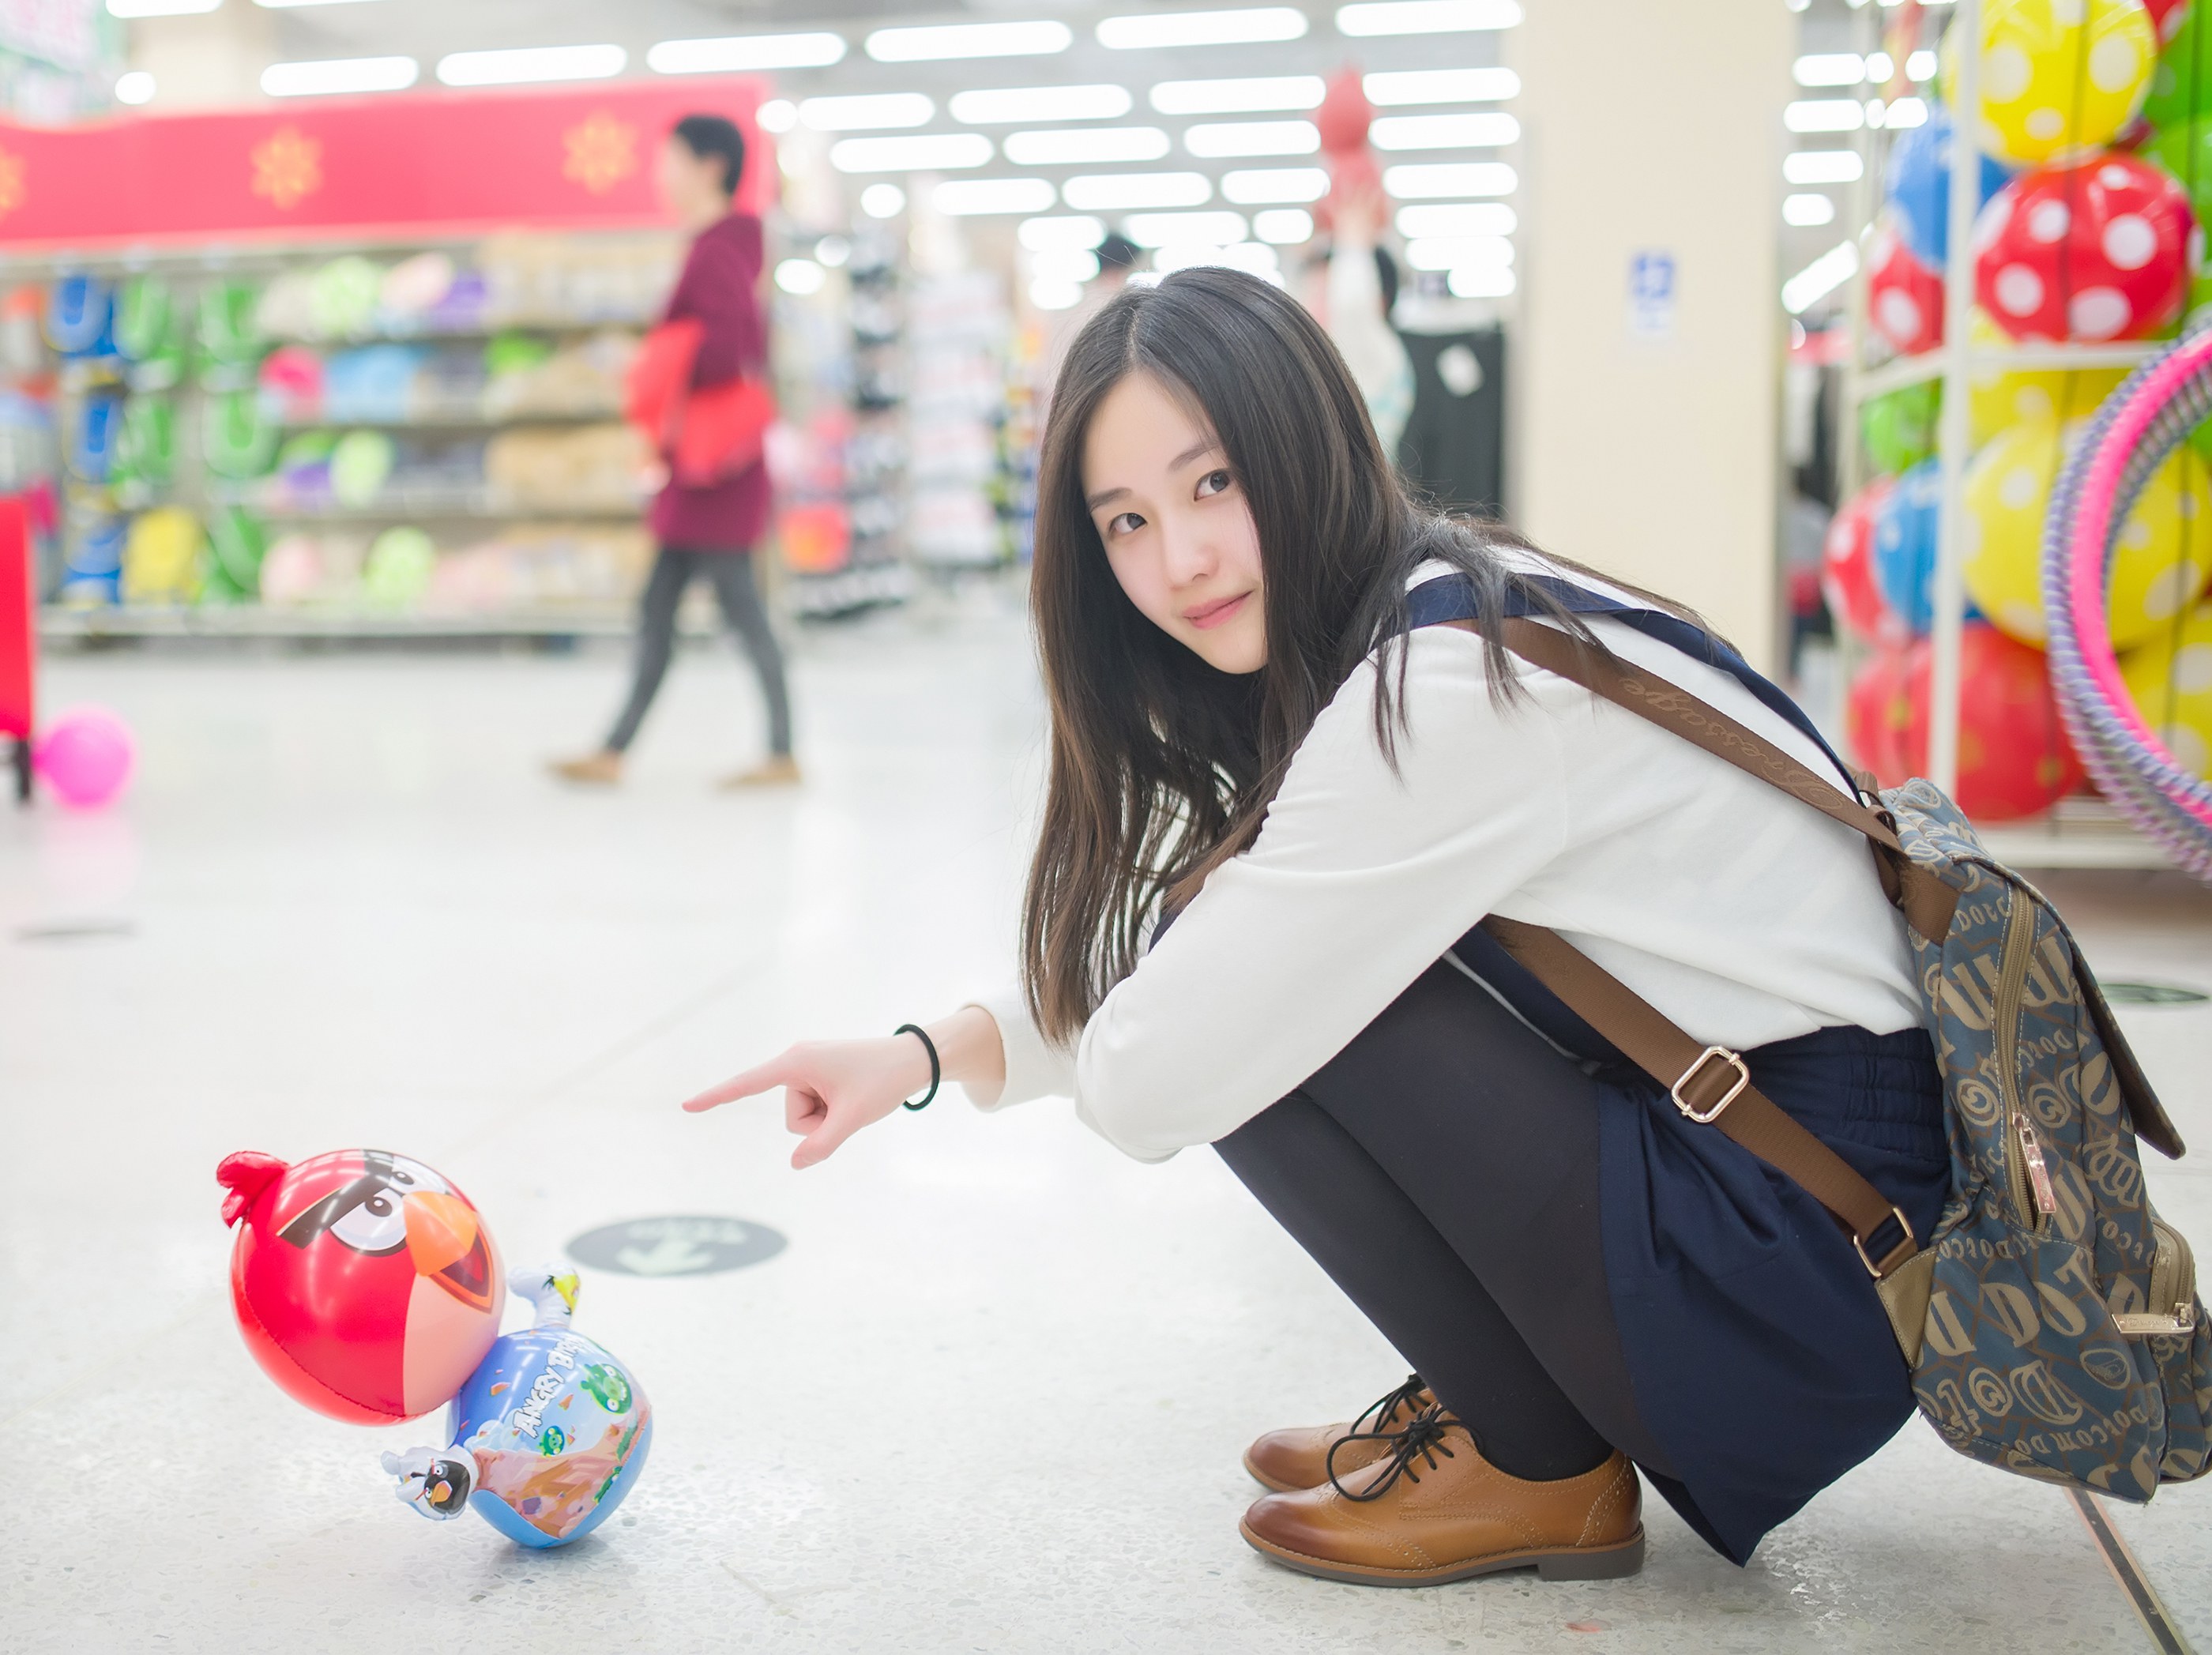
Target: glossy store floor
992,1396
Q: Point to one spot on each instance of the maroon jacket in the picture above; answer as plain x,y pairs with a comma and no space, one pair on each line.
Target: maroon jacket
718,290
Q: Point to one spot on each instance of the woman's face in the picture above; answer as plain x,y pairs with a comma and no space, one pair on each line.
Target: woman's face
690,186
1175,523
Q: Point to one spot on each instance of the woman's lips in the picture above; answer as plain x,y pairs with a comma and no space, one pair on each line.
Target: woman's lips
1206,617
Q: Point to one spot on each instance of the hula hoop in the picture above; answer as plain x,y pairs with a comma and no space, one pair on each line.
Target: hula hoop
2129,438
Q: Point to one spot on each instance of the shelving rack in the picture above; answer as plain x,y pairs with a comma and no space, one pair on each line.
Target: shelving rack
2078,832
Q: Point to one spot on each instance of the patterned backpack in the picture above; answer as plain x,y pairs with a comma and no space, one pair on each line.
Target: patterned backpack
2052,1322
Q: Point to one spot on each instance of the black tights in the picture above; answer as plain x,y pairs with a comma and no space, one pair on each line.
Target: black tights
1443,1169
731,573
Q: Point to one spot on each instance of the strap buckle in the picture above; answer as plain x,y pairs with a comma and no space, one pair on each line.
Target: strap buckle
1907,1247
1689,1109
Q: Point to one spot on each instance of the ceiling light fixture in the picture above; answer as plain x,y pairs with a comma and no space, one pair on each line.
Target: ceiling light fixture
1823,167
1457,251
1403,86
1062,232
800,276
776,115
1485,130
728,54
1256,186
1201,28
1161,229
519,66
1285,227
1085,146
1109,192
1248,95
159,8
1427,179
1481,282
937,42
1805,211
1004,105
338,74
1214,140
136,87
966,196
935,152
1821,278
1425,16
867,112
1829,69
1824,115
1456,218
883,201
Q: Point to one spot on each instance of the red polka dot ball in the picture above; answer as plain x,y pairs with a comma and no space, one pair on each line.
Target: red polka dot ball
2101,250
1905,298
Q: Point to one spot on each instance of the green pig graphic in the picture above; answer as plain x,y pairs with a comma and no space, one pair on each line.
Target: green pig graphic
608,1386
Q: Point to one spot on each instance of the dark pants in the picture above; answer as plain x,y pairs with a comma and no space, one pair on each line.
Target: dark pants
732,572
1443,1169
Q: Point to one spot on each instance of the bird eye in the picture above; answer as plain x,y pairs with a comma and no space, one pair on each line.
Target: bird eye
373,1225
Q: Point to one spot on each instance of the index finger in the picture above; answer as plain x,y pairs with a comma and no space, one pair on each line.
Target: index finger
776,1072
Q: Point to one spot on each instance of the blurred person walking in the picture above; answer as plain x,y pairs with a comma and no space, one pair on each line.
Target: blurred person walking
709,528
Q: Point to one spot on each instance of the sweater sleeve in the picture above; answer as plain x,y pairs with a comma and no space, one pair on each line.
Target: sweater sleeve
717,290
1359,882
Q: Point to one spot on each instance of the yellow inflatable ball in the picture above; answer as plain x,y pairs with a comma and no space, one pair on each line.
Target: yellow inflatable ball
162,557
1997,398
2164,549
2170,677
2058,77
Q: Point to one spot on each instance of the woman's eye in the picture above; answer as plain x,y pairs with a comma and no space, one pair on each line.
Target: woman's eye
1126,522
1212,482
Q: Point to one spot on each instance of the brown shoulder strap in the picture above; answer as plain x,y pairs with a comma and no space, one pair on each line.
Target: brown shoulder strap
1708,1083
1927,902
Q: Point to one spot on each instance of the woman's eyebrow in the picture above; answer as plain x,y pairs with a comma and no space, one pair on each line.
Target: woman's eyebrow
1204,446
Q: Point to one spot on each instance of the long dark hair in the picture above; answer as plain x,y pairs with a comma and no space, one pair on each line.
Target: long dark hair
1162,766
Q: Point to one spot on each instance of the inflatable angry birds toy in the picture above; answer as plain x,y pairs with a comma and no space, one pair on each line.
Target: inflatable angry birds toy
548,1435
366,1285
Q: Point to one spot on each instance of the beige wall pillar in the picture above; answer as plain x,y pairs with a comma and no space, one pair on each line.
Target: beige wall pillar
206,60
1644,436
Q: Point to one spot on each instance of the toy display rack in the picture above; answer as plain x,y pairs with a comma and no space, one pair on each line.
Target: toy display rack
2078,832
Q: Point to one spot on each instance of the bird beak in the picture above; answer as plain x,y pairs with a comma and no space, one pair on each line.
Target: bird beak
445,1241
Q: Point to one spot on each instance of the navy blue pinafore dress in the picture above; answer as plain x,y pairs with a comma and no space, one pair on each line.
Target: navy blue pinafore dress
1761,1360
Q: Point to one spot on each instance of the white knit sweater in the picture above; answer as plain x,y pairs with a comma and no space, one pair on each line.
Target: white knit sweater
1740,913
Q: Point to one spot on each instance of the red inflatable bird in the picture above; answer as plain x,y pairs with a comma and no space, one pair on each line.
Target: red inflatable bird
366,1285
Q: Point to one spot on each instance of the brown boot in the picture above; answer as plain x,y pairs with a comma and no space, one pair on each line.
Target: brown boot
1434,1510
779,770
602,768
1298,1458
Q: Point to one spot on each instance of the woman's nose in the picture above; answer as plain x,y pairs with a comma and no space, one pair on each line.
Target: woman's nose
1188,556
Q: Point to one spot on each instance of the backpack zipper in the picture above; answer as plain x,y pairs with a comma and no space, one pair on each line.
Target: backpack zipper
2025,1170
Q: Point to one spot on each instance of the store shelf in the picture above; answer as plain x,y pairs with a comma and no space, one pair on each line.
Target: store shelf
450,510
2077,832
456,419
1902,371
67,626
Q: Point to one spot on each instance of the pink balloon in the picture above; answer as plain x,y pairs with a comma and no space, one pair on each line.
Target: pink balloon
86,757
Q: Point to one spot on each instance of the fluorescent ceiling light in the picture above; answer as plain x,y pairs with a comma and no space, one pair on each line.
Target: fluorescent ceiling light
280,5
1402,85
1920,66
1452,178
1821,278
963,197
338,74
937,151
883,201
776,115
1003,105
867,112
1458,218
1061,233
1215,139
1160,230
1805,210
1825,115
1049,293
1257,185
158,8
1085,146
1879,66
734,53
800,276
1829,69
1064,264
937,42
1425,16
1906,111
518,65
134,88
1253,258
1457,251
1485,130
1201,28
1283,226
1823,167
1481,282
1245,96
1109,193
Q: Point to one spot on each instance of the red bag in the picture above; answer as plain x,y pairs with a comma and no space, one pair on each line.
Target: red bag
707,433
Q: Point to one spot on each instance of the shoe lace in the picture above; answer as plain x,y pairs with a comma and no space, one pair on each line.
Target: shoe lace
1422,1440
1385,1407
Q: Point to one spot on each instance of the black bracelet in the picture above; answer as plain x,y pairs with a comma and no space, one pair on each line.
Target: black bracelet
929,1046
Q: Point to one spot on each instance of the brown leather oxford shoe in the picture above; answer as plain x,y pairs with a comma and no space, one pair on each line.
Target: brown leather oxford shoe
1298,1458
1433,1510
